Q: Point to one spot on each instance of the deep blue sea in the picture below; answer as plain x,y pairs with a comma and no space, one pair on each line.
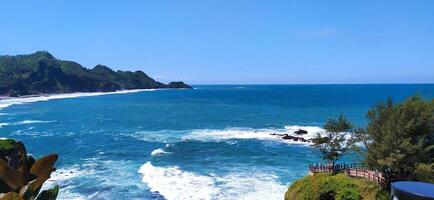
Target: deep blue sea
212,142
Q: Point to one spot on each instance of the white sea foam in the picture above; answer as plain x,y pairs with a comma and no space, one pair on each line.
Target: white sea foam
251,186
32,122
174,183
249,133
3,124
13,101
227,134
158,152
312,131
63,177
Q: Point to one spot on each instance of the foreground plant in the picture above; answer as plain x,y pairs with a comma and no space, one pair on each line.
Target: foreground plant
21,176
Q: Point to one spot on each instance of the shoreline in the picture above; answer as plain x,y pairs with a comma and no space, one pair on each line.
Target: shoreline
6,101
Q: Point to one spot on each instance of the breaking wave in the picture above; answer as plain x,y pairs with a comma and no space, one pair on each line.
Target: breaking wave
249,133
174,183
221,135
3,124
158,152
32,122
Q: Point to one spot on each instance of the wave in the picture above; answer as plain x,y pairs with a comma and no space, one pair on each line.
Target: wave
3,124
174,183
228,134
249,133
32,122
158,152
64,178
25,122
4,103
252,185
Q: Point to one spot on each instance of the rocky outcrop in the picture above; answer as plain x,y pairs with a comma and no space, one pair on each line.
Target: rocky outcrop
178,85
290,137
300,132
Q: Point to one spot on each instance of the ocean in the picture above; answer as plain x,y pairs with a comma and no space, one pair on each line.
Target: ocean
212,142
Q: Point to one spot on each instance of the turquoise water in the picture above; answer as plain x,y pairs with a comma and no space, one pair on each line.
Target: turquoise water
212,142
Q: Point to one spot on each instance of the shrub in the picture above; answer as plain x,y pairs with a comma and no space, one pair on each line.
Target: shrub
326,186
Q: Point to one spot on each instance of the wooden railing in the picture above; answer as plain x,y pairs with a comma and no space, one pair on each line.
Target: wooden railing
315,168
354,170
369,175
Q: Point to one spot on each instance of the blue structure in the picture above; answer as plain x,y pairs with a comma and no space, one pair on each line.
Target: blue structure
406,190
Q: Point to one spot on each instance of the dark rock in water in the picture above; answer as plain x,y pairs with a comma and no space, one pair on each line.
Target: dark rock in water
178,85
300,132
290,137
287,137
9,152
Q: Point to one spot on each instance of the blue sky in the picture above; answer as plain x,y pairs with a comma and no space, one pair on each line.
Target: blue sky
230,41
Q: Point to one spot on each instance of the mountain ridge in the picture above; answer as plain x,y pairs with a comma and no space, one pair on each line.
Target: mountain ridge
42,73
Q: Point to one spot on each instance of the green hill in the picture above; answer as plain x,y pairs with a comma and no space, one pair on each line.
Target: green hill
41,73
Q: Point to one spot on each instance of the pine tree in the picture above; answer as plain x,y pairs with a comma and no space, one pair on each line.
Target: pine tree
399,137
336,141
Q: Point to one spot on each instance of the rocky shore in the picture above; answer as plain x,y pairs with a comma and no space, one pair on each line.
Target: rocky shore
297,138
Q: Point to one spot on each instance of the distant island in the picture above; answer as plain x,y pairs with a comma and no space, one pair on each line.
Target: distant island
42,73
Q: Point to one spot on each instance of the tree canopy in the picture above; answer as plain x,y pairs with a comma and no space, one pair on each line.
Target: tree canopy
336,141
399,139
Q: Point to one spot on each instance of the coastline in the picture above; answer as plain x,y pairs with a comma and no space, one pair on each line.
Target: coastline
6,101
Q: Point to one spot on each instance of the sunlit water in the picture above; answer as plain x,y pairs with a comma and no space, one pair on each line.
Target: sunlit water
212,142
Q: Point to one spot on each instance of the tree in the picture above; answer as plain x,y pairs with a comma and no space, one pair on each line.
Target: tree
400,137
336,141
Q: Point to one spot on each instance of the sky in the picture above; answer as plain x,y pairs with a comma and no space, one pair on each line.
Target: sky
232,41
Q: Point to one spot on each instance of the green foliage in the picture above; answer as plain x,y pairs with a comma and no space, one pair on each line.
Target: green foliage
40,73
424,172
50,194
399,137
7,144
25,180
325,186
336,142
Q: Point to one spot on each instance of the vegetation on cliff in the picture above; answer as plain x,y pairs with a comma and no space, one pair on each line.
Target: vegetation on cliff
325,186
337,140
399,139
41,72
398,142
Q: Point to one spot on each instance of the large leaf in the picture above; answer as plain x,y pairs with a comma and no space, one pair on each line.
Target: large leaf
11,196
23,168
50,194
10,176
44,166
42,169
